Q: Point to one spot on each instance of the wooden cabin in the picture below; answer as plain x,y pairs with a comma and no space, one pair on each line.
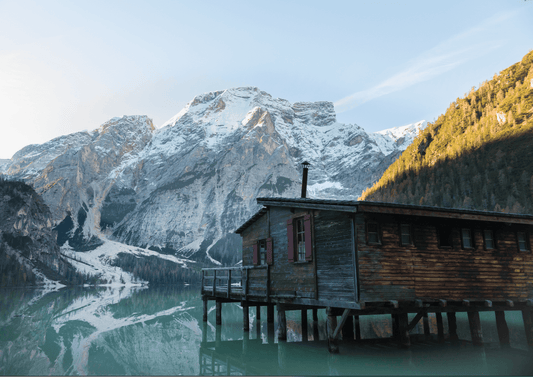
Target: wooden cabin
344,253
359,257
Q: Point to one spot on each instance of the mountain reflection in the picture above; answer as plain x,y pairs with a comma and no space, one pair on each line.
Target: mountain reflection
159,331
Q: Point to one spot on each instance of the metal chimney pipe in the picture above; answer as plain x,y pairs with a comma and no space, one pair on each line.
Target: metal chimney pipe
305,165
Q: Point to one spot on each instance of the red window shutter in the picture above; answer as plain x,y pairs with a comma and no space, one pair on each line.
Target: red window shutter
290,239
270,256
256,254
308,238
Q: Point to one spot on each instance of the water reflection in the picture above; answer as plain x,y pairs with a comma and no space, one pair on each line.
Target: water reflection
159,331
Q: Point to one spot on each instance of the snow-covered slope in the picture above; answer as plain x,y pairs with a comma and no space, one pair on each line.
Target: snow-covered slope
188,185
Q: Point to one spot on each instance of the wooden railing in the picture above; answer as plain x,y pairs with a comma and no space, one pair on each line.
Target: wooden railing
236,281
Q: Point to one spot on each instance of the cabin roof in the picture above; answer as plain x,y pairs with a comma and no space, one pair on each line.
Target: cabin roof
387,208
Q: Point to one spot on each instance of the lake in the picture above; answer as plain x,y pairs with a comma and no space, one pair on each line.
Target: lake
159,331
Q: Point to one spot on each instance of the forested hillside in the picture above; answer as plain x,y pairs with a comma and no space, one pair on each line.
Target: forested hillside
478,155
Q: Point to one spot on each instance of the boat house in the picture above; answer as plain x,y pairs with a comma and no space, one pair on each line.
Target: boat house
357,257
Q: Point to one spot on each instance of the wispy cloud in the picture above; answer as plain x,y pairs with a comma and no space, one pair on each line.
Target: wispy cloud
434,62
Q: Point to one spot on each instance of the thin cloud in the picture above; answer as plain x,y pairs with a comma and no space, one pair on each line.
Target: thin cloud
440,59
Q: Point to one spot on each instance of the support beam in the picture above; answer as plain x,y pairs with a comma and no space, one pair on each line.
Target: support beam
527,315
503,330
204,317
395,326
417,319
452,326
440,327
218,312
475,328
282,323
331,326
245,317
403,323
315,315
258,313
270,313
304,325
338,328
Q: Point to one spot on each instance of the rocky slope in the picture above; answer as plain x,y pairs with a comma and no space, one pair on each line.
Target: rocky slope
186,186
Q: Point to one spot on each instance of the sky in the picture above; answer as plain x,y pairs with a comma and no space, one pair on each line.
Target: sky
68,66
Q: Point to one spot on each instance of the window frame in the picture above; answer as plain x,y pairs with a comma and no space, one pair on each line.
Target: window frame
494,245
471,239
308,235
526,241
299,252
378,233
262,257
410,229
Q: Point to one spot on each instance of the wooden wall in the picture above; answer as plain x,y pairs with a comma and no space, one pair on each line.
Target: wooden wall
334,252
393,272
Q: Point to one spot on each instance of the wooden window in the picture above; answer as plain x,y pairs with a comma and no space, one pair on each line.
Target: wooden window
262,252
406,238
488,239
466,237
372,233
445,237
299,237
523,245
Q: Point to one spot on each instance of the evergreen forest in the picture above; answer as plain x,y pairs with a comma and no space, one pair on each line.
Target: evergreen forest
477,155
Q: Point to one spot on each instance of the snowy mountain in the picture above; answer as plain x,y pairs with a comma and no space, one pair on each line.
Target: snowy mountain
187,186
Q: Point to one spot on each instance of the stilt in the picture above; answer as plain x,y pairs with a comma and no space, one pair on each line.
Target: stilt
282,323
427,330
315,315
219,312
440,327
403,323
218,335
357,327
394,323
452,326
270,333
528,326
204,332
475,328
204,318
258,313
503,330
245,317
331,326
270,313
347,329
304,325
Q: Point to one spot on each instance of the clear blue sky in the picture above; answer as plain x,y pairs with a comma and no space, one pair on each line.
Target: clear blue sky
67,66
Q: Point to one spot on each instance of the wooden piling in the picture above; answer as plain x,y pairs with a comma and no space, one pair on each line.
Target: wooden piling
315,315
347,329
245,317
440,327
503,330
333,347
282,323
403,323
475,328
528,326
394,325
270,313
258,313
218,312
204,318
427,330
357,327
452,326
304,325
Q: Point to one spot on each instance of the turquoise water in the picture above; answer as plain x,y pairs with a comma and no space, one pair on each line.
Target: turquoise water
159,331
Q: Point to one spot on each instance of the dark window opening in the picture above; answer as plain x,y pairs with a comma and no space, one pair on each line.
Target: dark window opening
262,252
445,237
372,231
488,238
406,238
522,241
466,235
